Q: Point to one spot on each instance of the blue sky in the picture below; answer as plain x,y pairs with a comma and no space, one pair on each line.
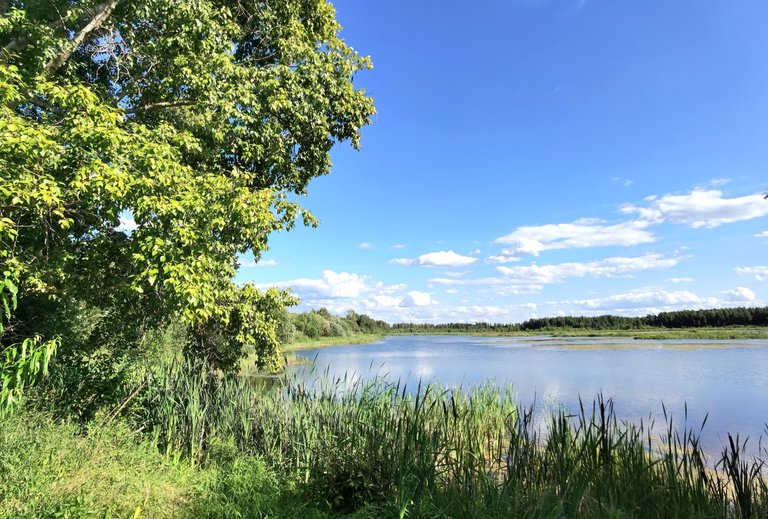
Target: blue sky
532,158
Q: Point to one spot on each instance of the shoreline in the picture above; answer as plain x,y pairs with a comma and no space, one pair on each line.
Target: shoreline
325,342
651,334
735,333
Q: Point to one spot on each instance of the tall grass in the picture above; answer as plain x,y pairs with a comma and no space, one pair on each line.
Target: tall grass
430,452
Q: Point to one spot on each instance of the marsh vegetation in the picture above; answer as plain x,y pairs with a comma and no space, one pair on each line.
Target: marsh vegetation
191,443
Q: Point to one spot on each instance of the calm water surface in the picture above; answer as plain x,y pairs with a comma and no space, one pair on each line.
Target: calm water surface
727,379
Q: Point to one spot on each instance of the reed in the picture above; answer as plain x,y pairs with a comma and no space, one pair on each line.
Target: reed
429,451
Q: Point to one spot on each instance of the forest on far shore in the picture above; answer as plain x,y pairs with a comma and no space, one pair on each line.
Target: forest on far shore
322,323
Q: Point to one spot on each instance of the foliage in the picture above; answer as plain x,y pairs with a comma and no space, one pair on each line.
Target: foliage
144,146
21,366
314,324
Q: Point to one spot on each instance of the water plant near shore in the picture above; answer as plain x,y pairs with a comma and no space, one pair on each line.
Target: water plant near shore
429,451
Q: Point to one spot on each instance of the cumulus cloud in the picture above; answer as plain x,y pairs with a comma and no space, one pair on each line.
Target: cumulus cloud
530,279
644,299
505,256
763,234
342,291
415,298
739,295
760,272
437,259
330,285
586,232
609,267
701,208
650,301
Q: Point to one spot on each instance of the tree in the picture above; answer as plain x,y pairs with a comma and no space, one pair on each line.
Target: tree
145,144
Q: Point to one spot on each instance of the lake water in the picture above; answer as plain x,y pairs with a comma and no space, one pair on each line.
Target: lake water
727,379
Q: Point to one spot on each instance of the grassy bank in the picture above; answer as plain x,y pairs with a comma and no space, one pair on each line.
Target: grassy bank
196,445
322,342
736,332
715,333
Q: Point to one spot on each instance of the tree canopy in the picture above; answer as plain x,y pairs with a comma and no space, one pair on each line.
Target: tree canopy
144,145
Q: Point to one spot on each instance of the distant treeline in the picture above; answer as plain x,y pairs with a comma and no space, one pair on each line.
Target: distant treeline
716,317
321,323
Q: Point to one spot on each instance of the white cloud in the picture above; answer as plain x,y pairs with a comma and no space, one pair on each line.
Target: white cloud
505,256
739,295
388,289
530,279
651,301
645,299
760,272
701,208
680,280
398,246
763,234
415,298
381,302
516,290
609,267
342,291
437,259
586,232
331,285
719,181
249,263
499,286
365,246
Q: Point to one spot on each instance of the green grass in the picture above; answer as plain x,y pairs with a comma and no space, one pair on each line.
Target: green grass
735,332
322,342
49,469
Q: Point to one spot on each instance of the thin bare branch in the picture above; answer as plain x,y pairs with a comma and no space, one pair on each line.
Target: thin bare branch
160,105
102,13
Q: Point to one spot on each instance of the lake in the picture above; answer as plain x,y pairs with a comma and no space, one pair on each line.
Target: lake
726,378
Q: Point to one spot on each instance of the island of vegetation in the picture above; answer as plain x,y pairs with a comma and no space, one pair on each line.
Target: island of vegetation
145,145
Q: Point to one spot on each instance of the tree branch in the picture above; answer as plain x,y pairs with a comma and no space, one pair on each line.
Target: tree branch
160,104
102,13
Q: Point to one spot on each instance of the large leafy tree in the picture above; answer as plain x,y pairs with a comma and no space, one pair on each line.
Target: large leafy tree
200,121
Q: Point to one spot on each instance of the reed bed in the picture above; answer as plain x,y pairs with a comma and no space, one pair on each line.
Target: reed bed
427,451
